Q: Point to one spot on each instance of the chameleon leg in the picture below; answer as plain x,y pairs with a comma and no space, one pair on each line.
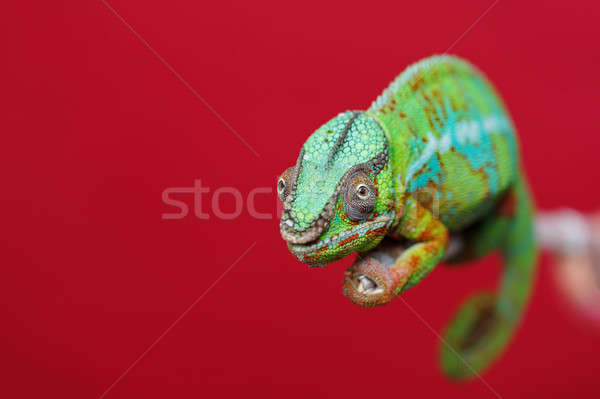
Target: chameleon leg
485,323
378,276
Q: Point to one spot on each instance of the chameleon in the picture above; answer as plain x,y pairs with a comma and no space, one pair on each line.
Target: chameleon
429,173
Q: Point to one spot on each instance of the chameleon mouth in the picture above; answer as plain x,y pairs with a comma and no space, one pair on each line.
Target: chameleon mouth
302,251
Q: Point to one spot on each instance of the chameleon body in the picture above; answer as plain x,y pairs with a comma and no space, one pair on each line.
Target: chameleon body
430,172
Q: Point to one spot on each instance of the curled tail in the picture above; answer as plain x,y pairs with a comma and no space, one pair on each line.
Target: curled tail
484,324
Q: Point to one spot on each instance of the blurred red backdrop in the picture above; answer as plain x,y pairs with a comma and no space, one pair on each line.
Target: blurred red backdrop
95,127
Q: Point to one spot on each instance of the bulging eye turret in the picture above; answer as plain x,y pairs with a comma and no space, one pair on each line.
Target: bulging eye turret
283,184
360,196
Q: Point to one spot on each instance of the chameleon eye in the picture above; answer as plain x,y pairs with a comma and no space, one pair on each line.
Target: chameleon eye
362,192
360,196
283,184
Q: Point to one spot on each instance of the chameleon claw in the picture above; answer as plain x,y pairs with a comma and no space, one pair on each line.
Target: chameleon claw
365,285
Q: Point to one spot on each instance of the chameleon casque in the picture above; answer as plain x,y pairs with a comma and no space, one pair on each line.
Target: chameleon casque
429,173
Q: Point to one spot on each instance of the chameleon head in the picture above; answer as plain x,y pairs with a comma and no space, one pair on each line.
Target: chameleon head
338,197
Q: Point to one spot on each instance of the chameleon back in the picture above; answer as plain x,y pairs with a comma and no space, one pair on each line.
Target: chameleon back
452,142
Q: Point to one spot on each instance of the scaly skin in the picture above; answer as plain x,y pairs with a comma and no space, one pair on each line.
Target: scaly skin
435,157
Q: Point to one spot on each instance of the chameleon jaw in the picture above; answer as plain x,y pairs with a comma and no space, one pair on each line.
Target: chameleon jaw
306,252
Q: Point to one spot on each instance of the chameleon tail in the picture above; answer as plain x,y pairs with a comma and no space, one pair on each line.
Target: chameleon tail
485,323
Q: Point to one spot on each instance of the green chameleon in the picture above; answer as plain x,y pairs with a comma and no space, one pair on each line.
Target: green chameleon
429,173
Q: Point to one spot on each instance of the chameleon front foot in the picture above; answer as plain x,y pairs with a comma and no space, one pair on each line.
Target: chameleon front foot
369,283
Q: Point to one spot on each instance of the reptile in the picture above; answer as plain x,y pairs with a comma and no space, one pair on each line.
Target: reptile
430,172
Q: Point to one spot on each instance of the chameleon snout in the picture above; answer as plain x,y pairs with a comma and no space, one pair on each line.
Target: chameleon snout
294,236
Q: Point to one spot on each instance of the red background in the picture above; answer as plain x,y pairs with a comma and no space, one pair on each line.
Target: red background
94,128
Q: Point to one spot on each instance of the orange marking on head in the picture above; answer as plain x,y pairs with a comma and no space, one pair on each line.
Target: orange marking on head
349,240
